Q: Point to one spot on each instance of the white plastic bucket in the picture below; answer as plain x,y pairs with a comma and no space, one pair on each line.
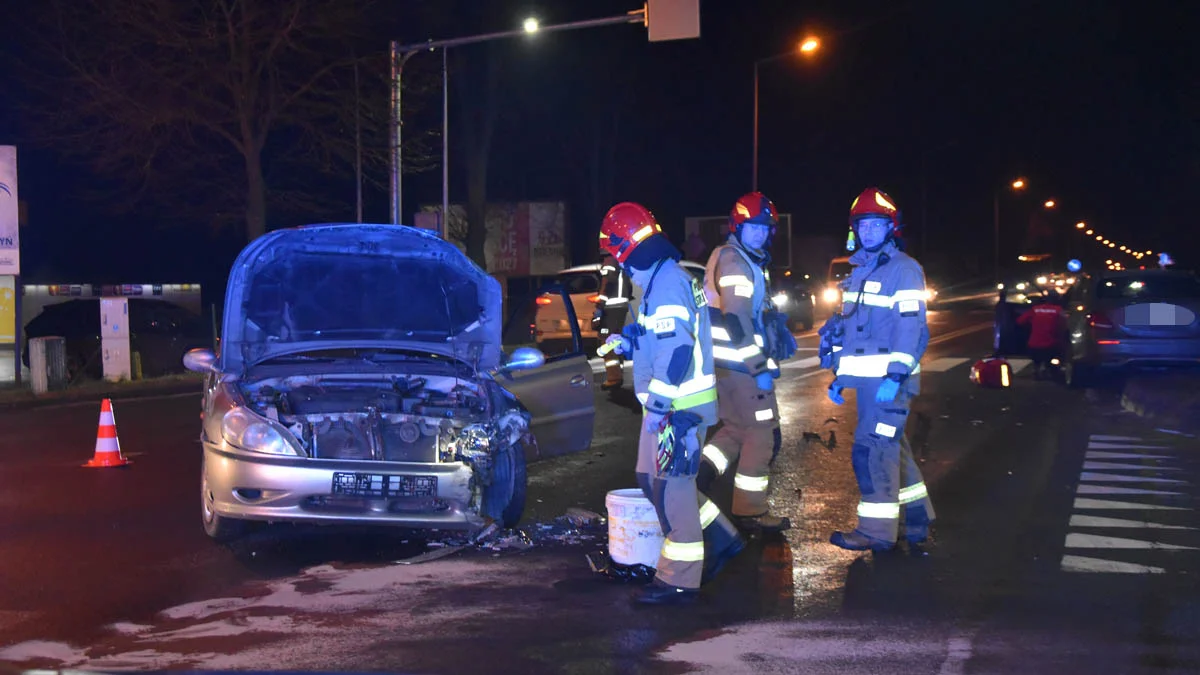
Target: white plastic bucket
634,533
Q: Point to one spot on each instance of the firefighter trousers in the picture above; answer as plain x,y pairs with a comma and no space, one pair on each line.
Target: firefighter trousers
749,437
692,524
888,478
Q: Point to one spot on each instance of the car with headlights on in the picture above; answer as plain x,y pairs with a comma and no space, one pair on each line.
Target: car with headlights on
363,378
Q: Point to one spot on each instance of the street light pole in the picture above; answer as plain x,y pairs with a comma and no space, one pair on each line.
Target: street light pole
808,46
996,235
754,172
400,54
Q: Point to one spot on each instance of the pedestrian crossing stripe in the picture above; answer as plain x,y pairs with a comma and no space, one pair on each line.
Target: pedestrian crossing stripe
1099,445
1078,520
1096,466
1076,563
1086,503
1094,454
1093,477
1077,540
1112,490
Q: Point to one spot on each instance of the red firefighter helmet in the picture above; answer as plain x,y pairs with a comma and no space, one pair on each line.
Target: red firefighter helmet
625,227
874,202
753,207
992,372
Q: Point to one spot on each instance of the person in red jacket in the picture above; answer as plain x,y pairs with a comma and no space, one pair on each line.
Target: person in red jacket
1046,326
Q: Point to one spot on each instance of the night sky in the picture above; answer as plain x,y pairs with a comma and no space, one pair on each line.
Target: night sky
1095,103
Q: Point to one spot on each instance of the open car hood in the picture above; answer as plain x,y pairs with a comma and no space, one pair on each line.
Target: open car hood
335,286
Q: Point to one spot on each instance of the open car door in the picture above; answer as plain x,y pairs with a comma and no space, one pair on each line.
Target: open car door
560,395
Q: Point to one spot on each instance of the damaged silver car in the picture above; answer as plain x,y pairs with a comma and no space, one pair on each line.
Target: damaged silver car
362,379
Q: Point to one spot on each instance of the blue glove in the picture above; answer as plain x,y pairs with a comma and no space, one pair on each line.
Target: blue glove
835,394
764,381
887,391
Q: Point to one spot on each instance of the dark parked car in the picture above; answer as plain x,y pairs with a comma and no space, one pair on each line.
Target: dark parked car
159,332
1133,319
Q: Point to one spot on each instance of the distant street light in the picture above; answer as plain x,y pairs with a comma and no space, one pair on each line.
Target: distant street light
1099,237
1049,204
1080,225
808,47
1090,232
531,25
1018,184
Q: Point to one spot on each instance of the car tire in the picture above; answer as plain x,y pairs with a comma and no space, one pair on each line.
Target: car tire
504,499
218,528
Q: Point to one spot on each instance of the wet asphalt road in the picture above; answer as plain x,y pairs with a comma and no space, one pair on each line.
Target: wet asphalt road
1050,555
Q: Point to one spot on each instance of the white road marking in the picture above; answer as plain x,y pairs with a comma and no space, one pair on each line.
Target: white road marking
1094,466
1091,477
1075,563
1104,437
942,365
1098,521
1110,490
1098,445
1085,503
1122,455
1076,540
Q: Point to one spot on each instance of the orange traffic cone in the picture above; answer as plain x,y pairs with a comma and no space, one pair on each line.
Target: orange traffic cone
108,448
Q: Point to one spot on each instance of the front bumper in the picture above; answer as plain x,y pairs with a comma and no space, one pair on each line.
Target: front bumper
296,489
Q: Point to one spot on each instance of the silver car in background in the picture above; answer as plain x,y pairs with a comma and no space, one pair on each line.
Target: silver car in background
1132,319
362,379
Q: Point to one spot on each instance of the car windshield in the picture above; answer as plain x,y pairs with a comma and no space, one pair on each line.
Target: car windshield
1165,287
580,282
319,296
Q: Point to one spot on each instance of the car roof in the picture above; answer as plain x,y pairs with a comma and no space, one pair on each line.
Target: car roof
595,267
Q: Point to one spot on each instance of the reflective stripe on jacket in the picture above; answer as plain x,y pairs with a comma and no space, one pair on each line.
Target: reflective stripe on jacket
672,360
737,287
884,310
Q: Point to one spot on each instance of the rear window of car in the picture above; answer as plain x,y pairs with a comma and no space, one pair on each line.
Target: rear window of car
580,282
1173,287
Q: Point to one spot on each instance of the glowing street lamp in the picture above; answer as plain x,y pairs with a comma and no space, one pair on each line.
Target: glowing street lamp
531,25
1080,225
810,45
1049,204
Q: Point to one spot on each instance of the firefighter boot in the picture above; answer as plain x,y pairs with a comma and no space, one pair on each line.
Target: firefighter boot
857,541
765,523
658,593
713,564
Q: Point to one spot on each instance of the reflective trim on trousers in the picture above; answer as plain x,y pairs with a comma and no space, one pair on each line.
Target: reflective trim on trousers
913,493
764,415
716,457
683,552
757,484
719,333
881,510
709,512
873,365
737,355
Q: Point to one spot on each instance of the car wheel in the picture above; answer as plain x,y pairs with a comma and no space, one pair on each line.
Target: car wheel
504,499
218,528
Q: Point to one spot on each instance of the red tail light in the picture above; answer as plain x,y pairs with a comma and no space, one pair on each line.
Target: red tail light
1099,320
543,300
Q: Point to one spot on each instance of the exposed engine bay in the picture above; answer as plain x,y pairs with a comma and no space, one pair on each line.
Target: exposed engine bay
394,418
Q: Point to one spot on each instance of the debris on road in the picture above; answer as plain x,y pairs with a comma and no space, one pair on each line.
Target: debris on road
577,526
602,564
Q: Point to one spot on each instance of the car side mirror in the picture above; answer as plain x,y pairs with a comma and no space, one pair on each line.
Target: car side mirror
200,360
524,358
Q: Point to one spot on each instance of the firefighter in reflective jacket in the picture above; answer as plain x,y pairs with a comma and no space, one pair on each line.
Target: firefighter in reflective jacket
612,312
883,336
673,374
736,283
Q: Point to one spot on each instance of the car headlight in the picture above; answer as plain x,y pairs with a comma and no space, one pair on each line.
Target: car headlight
930,294
780,299
1042,281
247,431
831,295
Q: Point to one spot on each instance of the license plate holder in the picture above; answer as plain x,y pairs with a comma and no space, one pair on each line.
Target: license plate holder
382,485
